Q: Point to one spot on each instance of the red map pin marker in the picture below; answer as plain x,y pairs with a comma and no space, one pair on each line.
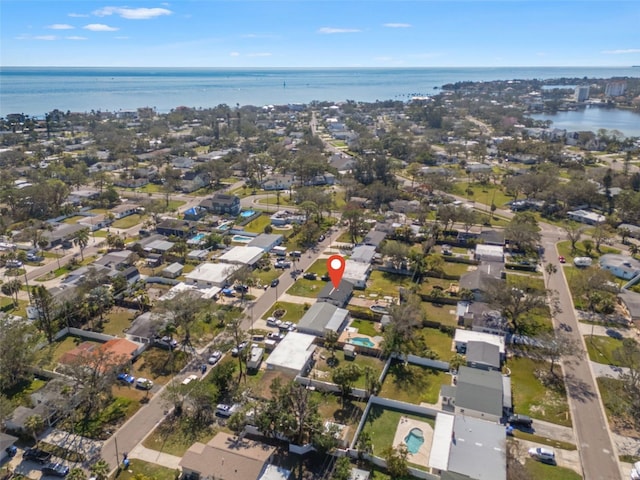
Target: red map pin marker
335,267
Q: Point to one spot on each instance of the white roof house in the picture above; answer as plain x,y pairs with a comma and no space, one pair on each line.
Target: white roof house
243,255
356,273
293,354
622,266
491,253
211,274
585,216
462,337
323,316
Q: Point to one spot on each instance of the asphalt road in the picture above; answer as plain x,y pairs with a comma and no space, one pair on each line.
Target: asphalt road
598,456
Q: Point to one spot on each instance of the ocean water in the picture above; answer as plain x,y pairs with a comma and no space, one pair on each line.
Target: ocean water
36,90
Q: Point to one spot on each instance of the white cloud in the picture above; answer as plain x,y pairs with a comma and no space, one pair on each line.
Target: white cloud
61,26
100,27
331,30
75,37
622,51
47,38
259,54
234,54
397,25
77,15
133,13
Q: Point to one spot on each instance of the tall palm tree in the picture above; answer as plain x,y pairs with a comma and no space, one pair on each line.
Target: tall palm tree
82,240
34,424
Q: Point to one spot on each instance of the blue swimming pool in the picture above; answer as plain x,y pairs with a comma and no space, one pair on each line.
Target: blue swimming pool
199,237
247,213
241,239
362,342
414,440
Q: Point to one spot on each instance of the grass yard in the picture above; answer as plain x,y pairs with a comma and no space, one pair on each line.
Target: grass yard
272,200
382,424
601,350
20,395
267,276
74,219
319,267
306,288
366,327
384,283
617,403
323,371
485,194
531,397
176,434
439,342
455,268
413,383
128,221
543,440
331,409
564,249
48,356
549,472
142,469
440,313
157,364
257,225
117,320
293,311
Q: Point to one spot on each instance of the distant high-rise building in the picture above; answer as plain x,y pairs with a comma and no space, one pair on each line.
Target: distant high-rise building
582,93
615,89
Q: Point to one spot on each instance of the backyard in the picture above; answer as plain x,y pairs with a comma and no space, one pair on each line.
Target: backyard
601,350
128,221
531,397
382,424
174,436
322,371
257,225
414,383
438,342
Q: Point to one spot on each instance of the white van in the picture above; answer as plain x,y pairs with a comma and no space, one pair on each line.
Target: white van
545,455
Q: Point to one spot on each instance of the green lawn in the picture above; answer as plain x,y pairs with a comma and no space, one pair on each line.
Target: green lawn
294,311
440,313
142,469
382,424
331,408
273,200
543,440
366,327
73,220
319,267
485,194
549,472
265,277
413,383
531,397
323,370
257,225
384,283
601,350
48,357
175,435
455,268
564,249
175,204
438,341
306,288
128,221
116,321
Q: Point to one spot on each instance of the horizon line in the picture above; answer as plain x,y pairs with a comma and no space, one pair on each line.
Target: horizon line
321,67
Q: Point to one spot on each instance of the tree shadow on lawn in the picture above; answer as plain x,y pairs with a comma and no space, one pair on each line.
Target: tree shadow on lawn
411,379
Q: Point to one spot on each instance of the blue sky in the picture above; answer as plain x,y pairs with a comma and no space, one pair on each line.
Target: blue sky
307,33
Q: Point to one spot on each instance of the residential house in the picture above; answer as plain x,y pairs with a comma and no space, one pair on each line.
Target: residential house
357,273
293,355
479,279
176,228
96,222
266,241
62,233
622,266
245,255
336,296
323,317
363,254
463,337
286,217
585,216
483,355
173,271
211,275
226,457
192,181
222,204
374,238
478,393
278,182
124,210
195,214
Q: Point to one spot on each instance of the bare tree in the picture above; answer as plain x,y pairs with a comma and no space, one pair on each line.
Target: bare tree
574,234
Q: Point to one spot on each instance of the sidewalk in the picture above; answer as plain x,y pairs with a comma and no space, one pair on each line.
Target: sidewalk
153,456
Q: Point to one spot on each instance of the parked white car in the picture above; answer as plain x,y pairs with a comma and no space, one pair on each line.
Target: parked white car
545,455
144,383
635,471
189,379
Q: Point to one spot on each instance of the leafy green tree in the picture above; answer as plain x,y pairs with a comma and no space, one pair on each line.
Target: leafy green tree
341,469
399,335
345,377
100,469
516,299
77,473
396,459
44,303
353,215
331,343
523,231
17,353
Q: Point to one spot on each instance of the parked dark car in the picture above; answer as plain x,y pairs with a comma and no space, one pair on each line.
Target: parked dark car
520,420
275,282
55,469
36,455
310,276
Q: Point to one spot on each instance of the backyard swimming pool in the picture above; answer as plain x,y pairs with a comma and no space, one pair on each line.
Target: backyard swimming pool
362,342
241,239
247,213
414,440
197,238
